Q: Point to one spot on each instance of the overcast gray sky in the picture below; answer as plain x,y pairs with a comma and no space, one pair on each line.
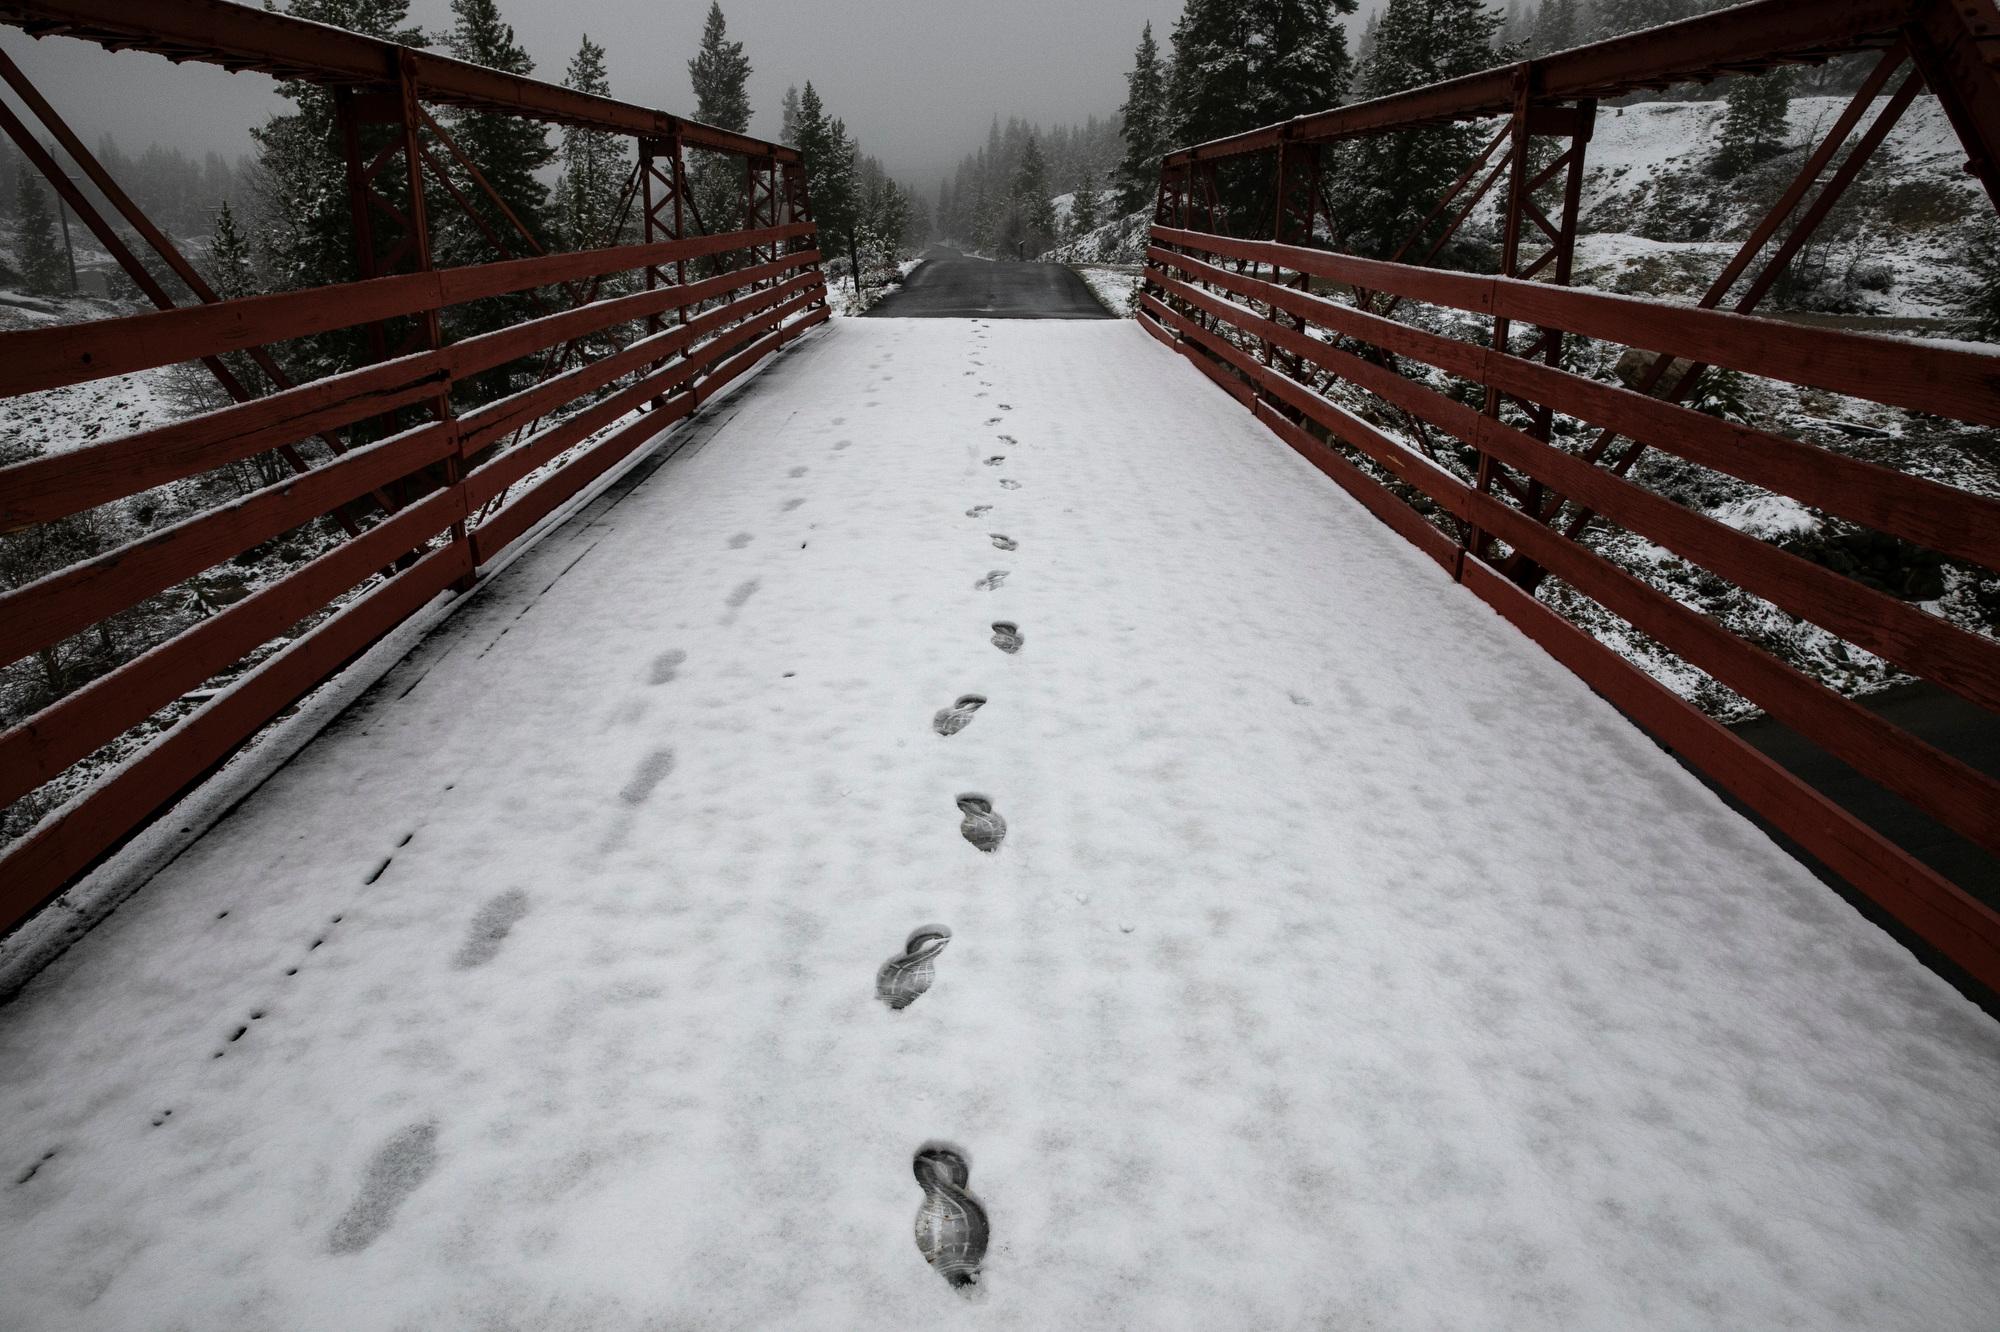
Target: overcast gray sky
916,80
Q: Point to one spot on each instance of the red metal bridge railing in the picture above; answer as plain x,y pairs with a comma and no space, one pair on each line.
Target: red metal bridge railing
423,489
1306,337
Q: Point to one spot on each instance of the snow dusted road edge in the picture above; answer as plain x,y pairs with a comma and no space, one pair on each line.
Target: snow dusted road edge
1320,953
38,942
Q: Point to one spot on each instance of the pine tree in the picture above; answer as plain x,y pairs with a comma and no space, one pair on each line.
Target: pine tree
1031,215
231,270
788,112
302,181
44,271
1558,26
508,149
1981,309
1722,392
1146,119
884,220
1390,181
1211,82
593,163
10,164
1754,129
1613,18
720,75
510,152
1241,64
1304,65
829,166
1369,35
1083,207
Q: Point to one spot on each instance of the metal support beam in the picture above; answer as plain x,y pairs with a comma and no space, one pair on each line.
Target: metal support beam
663,193
1297,207
1956,46
1533,120
115,245
1763,34
380,129
1548,507
242,36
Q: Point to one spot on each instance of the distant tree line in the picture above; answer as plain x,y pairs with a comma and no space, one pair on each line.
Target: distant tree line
1001,198
180,193
865,217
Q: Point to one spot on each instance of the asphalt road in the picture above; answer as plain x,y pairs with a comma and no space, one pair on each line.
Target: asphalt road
947,285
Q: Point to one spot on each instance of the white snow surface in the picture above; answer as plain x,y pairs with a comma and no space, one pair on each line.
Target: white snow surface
1112,286
1347,963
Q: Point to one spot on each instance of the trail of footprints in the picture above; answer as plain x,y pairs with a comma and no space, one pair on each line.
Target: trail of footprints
403,1162
406,1159
952,1229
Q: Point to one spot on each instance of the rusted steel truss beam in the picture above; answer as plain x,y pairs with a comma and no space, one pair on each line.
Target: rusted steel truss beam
1548,506
1746,38
86,209
763,198
1559,233
243,37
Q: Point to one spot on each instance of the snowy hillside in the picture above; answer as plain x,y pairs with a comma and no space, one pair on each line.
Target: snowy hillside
1655,220
66,418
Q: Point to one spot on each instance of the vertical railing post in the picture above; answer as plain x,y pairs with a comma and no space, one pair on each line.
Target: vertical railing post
1280,197
1163,216
1531,120
1293,224
798,208
1474,538
1580,123
746,219
680,179
658,192
360,213
393,104
431,328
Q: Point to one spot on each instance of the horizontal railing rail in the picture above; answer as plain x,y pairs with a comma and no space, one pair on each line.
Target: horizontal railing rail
1304,338
166,594
480,479
48,358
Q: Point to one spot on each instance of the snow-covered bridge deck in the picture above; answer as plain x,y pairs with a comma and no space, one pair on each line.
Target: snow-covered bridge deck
1346,962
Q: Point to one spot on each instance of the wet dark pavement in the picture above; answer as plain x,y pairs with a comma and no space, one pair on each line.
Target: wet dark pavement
948,285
